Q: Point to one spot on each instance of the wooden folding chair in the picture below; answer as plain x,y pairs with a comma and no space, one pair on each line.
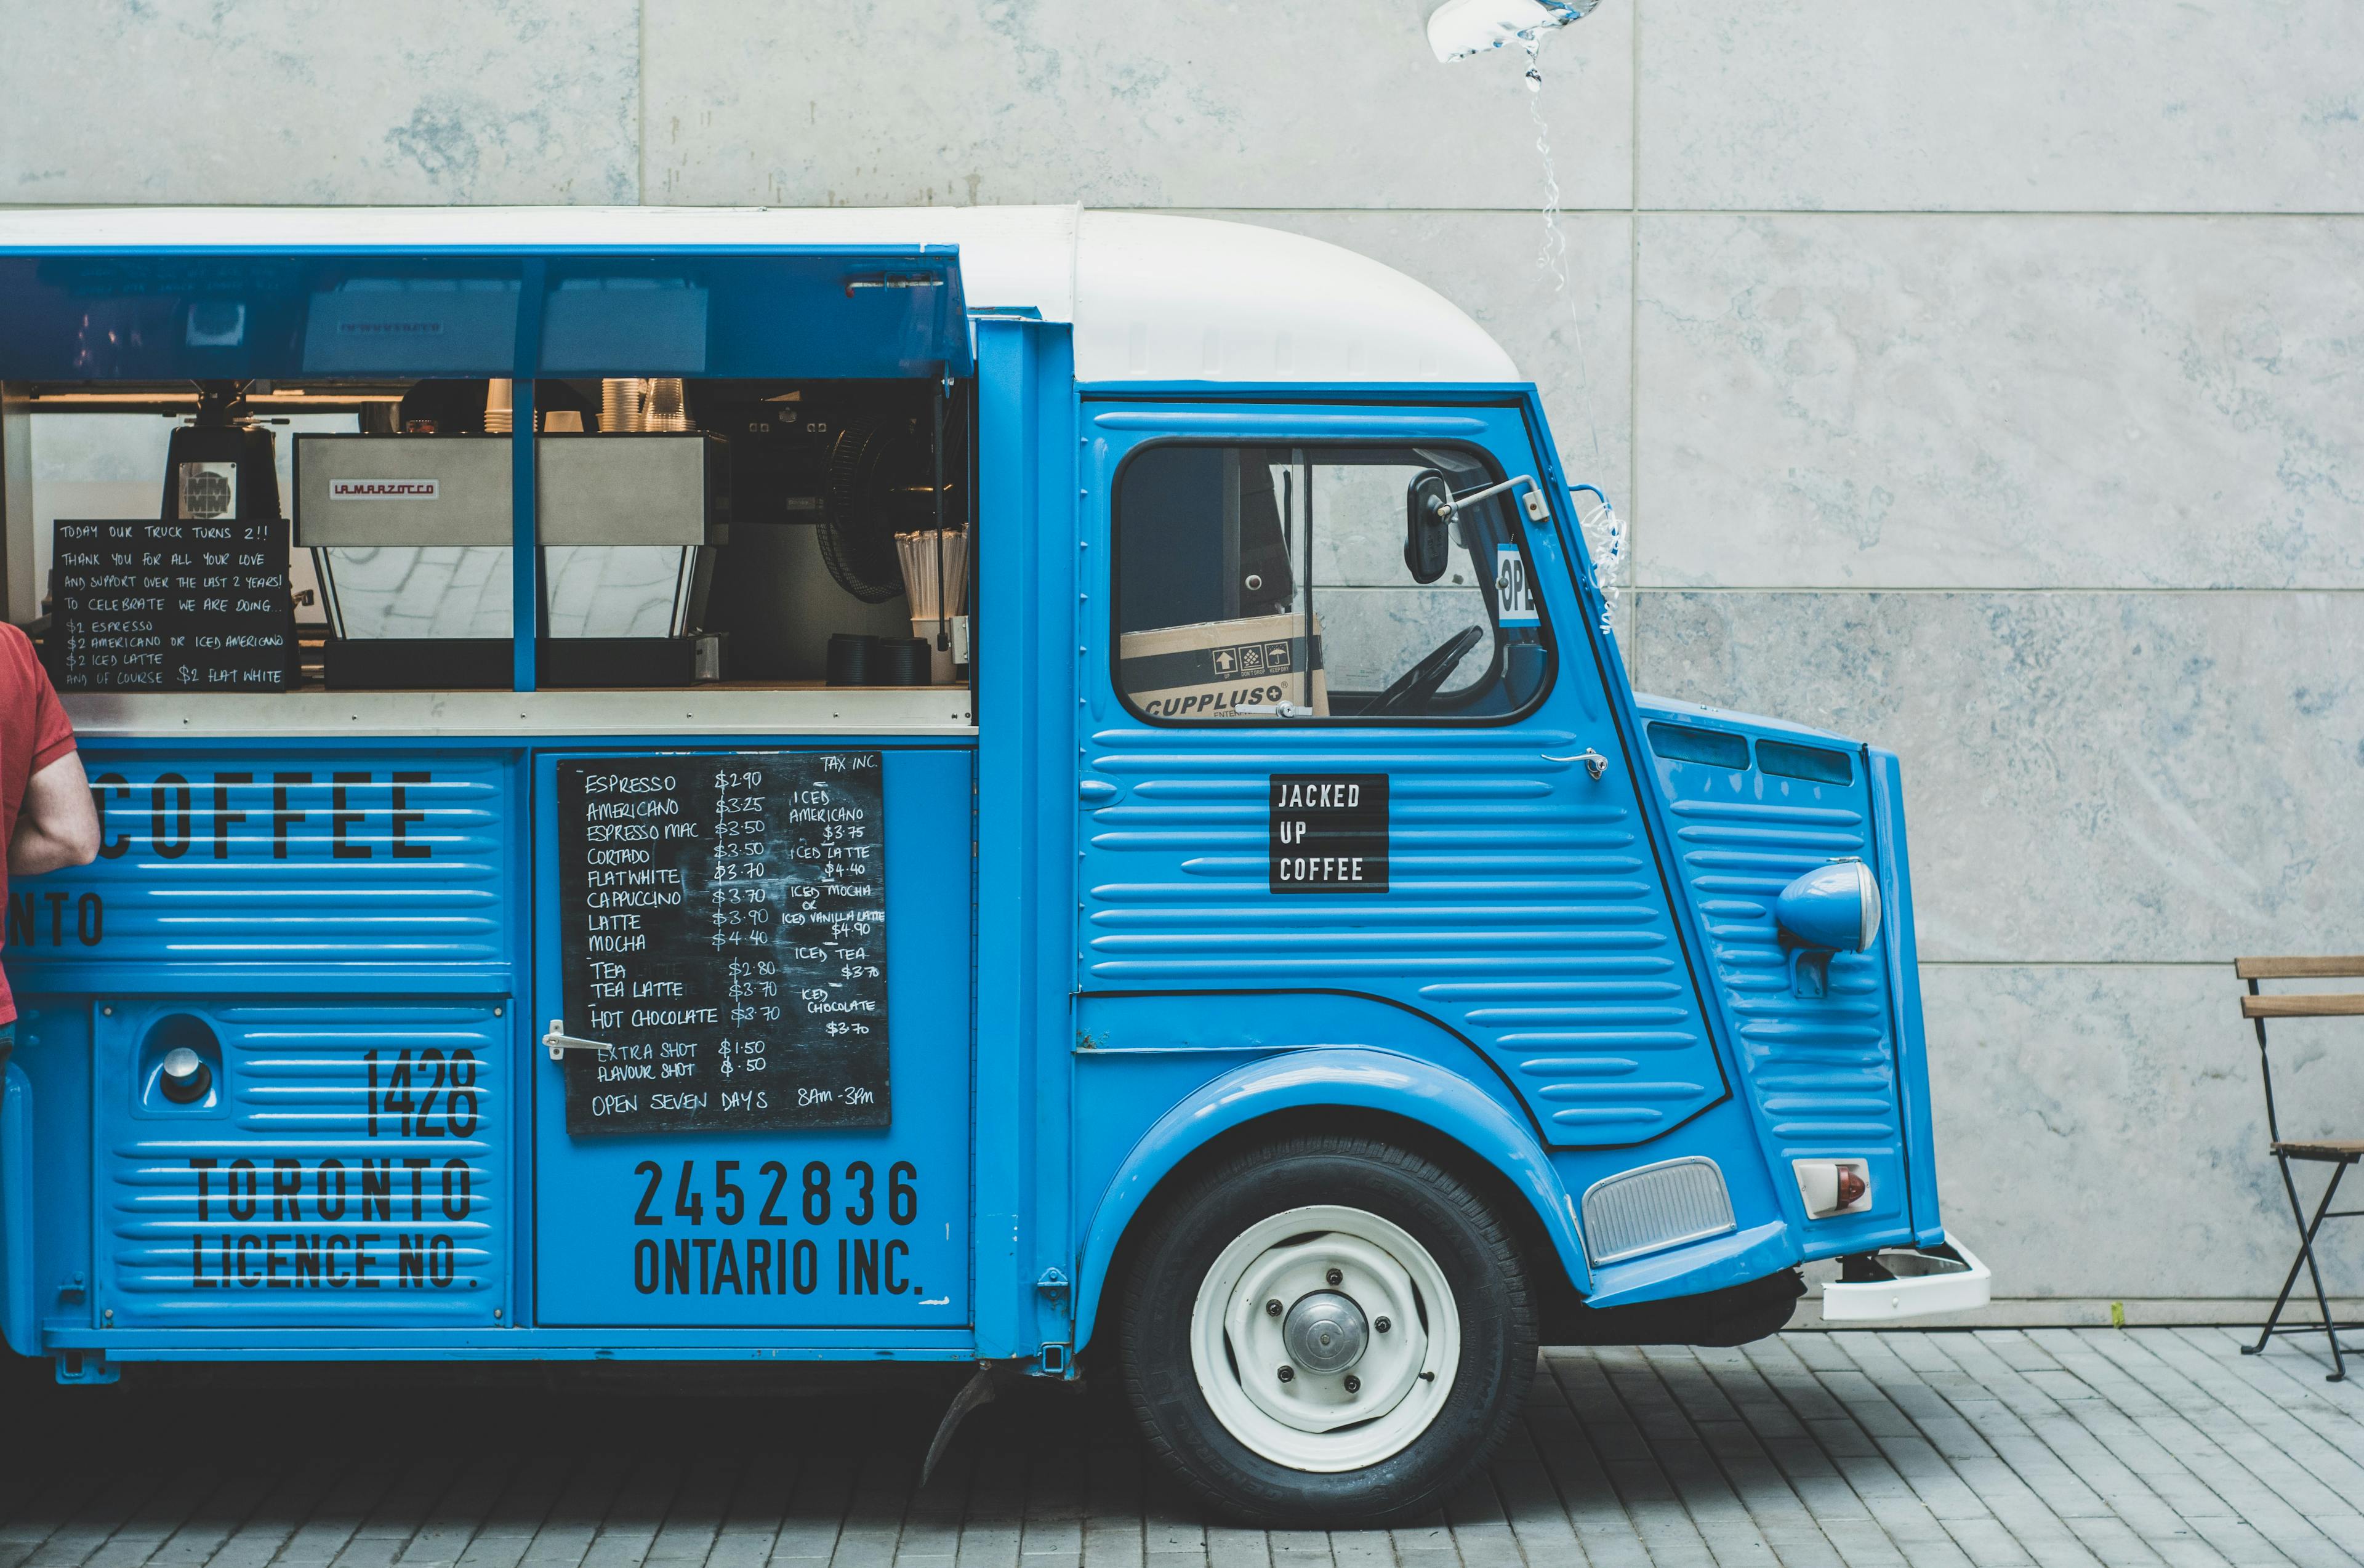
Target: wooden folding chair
2339,1154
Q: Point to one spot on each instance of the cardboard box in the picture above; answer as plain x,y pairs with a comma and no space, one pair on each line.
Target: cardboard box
1208,669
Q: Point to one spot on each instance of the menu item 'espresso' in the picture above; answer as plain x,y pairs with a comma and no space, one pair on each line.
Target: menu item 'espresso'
723,927
140,604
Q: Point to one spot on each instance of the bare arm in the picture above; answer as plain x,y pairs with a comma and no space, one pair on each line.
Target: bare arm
58,825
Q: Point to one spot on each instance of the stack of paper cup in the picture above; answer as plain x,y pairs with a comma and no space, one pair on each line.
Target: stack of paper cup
639,403
935,578
668,404
620,404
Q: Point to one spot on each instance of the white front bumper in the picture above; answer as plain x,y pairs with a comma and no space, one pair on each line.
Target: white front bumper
1926,1283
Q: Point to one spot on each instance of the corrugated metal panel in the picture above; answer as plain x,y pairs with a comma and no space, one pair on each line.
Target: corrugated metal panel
322,855
347,1169
1657,1205
1821,1071
786,1228
1522,910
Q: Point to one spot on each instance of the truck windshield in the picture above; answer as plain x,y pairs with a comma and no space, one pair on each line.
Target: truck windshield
1263,582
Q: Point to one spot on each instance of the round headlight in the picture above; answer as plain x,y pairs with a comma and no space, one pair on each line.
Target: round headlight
1833,907
1870,908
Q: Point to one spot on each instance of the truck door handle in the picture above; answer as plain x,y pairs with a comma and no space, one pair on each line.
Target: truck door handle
558,1043
1594,762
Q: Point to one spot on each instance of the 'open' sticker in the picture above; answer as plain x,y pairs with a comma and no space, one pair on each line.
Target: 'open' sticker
1514,596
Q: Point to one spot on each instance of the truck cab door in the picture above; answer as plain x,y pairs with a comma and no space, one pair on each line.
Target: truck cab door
1323,752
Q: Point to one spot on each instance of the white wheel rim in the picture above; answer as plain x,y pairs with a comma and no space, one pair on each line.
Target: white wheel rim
1313,1421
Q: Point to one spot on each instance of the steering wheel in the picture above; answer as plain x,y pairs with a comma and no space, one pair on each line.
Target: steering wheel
1412,689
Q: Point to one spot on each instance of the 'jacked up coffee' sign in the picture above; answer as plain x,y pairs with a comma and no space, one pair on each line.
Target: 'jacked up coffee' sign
1329,833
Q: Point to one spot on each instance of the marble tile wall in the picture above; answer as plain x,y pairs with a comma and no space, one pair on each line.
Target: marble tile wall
1979,379
1205,103
320,101
2001,401
2016,106
2102,1128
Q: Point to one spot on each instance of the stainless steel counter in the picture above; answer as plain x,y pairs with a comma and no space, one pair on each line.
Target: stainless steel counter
699,710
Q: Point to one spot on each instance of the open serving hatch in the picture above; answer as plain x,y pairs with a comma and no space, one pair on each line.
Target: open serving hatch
529,520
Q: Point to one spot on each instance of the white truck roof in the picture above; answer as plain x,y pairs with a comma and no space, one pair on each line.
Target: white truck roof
1151,297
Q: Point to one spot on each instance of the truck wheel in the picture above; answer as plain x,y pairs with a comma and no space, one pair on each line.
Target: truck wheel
1327,1330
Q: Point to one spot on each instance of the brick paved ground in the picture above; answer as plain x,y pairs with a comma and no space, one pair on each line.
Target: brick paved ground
1811,1450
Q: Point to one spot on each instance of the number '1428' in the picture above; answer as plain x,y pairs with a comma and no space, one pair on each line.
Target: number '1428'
429,1095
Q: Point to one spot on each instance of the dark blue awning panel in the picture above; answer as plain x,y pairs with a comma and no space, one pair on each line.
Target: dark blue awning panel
822,312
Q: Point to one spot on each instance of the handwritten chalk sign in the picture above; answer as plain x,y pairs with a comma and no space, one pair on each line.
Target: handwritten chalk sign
723,927
143,605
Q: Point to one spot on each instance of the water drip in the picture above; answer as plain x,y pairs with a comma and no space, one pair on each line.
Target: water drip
1604,532
1456,30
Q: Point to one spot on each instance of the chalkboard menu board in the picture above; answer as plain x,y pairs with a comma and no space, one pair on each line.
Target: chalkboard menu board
723,927
171,607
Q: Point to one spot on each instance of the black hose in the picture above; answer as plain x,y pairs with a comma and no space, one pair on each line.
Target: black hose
857,528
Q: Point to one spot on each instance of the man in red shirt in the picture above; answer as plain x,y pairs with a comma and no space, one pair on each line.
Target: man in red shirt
46,813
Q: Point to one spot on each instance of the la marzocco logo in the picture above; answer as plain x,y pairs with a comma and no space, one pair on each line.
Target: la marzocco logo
382,489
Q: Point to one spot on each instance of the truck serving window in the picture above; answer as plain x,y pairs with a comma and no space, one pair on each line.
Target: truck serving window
357,534
1277,583
469,466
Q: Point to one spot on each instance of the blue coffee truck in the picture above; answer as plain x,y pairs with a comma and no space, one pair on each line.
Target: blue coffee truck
1027,788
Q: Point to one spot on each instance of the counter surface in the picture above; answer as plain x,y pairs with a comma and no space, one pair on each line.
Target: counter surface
699,710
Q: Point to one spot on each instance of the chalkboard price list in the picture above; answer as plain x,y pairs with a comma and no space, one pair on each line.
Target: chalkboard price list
171,607
724,935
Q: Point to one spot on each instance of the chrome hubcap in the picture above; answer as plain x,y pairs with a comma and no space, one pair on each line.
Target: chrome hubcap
1325,1332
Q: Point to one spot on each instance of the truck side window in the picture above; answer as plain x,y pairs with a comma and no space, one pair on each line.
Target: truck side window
1269,583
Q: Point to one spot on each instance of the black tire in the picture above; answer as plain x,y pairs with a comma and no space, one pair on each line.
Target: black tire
1467,1242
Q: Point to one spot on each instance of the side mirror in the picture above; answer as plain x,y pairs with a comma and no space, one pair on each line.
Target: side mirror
1428,525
